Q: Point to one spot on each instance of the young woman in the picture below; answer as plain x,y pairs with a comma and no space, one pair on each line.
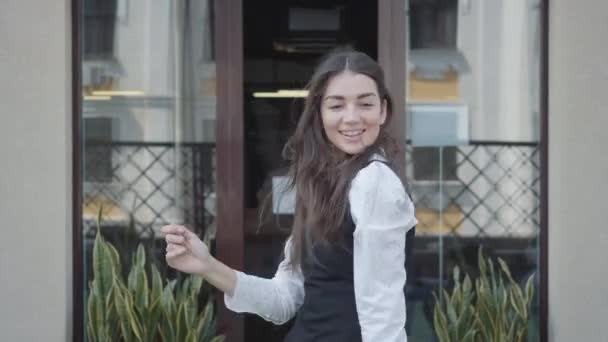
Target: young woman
343,273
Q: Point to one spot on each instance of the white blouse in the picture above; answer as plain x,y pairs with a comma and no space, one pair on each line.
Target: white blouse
382,213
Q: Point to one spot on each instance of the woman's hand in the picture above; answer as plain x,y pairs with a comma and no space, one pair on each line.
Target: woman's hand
185,251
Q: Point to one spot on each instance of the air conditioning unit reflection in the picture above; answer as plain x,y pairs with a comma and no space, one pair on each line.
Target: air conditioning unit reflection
100,74
438,124
435,130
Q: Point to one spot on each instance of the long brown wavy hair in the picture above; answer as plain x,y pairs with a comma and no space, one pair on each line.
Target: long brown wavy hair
319,172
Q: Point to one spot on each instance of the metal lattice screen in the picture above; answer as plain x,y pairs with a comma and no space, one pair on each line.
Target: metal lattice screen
147,185
479,190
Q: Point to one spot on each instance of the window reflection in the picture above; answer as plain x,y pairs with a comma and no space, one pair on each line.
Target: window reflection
473,131
148,76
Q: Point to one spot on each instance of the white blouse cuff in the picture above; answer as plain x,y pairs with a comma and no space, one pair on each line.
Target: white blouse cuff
241,299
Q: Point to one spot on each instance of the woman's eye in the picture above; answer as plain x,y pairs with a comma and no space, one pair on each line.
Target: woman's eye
367,104
334,107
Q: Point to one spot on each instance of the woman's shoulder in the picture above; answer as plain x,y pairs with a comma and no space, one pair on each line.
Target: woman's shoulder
378,198
377,174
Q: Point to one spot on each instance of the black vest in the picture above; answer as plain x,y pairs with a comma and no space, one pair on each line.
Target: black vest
328,312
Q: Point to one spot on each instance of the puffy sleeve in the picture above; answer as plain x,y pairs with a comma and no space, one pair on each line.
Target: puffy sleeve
276,300
382,213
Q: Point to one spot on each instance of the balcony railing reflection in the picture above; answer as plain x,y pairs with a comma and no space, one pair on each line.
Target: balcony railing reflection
145,185
488,189
483,189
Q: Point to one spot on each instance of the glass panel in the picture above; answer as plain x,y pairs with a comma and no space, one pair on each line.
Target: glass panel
148,75
473,155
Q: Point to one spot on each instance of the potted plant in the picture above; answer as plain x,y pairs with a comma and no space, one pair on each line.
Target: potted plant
493,308
143,307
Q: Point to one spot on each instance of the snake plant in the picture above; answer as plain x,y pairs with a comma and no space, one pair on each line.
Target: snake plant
493,308
143,308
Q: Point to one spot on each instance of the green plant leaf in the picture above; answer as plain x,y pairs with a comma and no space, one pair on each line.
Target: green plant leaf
168,308
485,316
153,314
530,289
505,269
196,283
93,320
205,328
133,320
115,259
102,270
163,334
481,261
440,322
168,302
157,283
182,329
182,289
469,336
453,318
140,256
190,312
191,336
155,309
91,335
492,278
511,331
122,307
521,335
109,295
518,295
456,275
141,287
483,329
167,330
465,322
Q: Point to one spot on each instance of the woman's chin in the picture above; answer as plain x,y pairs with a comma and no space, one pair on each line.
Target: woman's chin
351,149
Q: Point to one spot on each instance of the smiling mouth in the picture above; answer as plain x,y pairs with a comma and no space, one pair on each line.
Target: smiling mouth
352,133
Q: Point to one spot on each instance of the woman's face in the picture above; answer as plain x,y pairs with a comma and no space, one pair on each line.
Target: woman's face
352,112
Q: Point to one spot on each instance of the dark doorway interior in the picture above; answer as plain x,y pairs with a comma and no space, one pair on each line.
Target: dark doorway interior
283,41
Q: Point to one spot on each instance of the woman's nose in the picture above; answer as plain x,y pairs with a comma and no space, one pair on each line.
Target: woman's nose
351,114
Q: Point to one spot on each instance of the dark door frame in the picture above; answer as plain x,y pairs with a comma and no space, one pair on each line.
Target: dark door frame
392,57
78,322
230,125
230,149
543,263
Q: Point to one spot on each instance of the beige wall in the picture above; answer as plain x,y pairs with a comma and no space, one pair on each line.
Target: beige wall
578,171
35,166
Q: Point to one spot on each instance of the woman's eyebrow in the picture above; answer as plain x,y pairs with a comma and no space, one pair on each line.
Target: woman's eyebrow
361,96
340,97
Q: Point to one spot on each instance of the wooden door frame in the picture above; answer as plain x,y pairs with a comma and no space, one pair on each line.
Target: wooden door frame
230,126
392,57
229,151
